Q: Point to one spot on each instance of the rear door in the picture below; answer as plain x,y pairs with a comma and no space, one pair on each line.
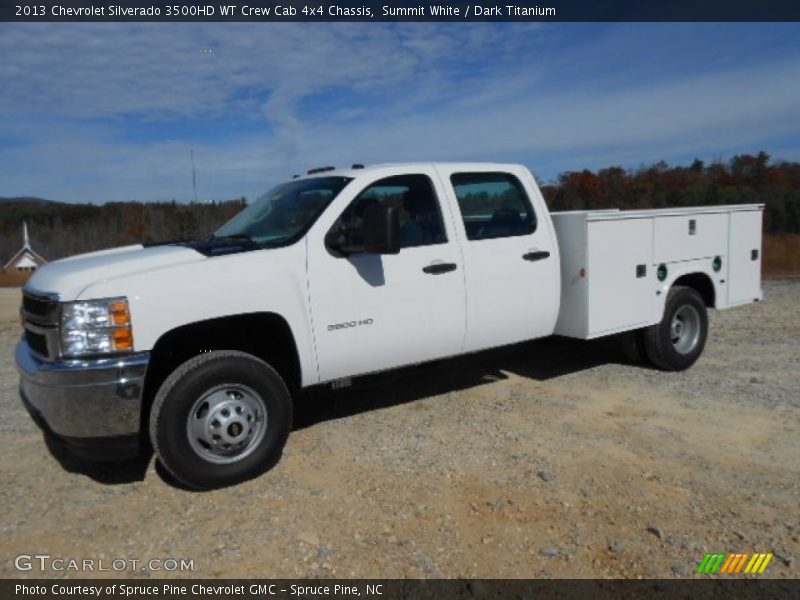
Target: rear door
511,261
375,312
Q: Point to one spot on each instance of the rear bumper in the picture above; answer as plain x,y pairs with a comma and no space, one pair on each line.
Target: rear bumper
93,406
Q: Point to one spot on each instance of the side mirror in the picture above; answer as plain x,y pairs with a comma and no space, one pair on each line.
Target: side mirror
336,240
345,241
381,230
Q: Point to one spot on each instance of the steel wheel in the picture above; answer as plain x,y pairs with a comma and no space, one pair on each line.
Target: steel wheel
226,423
685,329
676,342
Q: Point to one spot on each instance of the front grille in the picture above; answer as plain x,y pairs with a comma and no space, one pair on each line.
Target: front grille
40,309
40,320
35,305
37,342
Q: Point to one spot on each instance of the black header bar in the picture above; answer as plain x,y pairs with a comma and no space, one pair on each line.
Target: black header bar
401,10
394,589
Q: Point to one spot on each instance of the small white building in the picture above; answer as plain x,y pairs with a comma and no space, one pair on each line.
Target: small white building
25,261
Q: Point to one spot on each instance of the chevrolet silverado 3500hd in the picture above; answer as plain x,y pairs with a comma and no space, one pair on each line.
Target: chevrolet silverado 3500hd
343,272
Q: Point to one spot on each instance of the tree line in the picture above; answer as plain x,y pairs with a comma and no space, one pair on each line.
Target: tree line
60,229
744,179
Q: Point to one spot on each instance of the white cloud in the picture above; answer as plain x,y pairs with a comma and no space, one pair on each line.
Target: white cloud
455,92
159,71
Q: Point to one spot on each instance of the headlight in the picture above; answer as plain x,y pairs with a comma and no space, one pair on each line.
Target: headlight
95,327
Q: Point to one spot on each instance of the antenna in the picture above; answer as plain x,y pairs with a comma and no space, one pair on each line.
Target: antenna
194,176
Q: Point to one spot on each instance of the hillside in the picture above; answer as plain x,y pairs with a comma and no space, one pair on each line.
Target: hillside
25,199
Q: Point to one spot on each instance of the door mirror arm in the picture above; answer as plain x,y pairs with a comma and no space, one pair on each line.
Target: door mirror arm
335,238
338,241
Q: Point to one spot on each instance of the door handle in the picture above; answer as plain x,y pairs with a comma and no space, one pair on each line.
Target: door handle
439,268
536,255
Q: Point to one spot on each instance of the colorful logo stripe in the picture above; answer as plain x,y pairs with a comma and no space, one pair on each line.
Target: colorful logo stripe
734,563
710,563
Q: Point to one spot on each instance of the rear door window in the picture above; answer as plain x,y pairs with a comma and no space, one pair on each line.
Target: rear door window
493,205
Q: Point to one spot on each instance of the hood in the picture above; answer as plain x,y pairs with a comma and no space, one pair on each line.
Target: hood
70,276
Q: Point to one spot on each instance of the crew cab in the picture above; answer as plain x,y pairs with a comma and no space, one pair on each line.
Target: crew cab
200,346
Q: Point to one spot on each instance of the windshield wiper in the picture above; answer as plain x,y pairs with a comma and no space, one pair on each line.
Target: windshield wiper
236,237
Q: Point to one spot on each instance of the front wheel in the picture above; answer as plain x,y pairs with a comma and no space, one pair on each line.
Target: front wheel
677,341
220,418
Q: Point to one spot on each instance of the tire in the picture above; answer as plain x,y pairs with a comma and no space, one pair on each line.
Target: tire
220,418
678,340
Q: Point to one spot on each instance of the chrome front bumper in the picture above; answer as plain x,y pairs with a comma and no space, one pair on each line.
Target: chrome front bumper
82,399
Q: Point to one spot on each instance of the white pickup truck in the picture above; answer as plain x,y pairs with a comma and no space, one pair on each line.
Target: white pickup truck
200,345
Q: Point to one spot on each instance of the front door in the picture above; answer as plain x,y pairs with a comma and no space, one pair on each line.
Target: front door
374,312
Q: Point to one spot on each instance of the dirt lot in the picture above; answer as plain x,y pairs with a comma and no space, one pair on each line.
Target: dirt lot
551,459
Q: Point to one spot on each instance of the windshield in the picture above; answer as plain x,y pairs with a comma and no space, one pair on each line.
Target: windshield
285,212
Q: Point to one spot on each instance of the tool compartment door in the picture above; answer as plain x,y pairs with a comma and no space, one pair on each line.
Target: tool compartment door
621,275
689,237
744,267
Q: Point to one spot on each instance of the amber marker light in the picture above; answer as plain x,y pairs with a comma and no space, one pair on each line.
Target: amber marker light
119,313
123,338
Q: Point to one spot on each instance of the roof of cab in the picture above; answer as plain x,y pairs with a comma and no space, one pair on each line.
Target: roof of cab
351,172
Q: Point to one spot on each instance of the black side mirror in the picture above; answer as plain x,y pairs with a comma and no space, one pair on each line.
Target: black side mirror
342,240
381,230
336,240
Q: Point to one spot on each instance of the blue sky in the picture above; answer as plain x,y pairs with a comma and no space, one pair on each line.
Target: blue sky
110,111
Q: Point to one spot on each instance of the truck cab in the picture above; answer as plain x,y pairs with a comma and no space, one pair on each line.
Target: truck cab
464,233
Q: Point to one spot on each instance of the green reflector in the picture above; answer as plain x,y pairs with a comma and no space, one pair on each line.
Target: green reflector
661,273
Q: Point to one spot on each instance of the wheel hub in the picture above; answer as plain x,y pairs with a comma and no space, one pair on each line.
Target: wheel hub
226,423
685,329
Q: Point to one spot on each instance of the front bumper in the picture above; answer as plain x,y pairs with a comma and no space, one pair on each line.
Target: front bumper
94,406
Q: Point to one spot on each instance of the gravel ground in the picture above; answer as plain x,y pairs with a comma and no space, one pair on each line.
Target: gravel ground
549,459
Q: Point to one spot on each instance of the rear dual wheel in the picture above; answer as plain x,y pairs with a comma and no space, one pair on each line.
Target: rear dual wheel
678,340
220,418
